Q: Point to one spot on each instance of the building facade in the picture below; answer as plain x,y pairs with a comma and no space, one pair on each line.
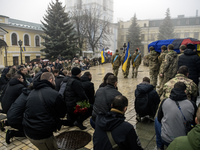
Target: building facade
184,27
11,31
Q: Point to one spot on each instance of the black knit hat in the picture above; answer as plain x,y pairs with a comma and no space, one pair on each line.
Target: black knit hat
191,46
75,71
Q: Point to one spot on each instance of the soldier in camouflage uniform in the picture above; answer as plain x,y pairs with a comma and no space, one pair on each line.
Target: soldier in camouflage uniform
161,59
170,66
75,64
153,65
116,62
136,61
181,48
182,76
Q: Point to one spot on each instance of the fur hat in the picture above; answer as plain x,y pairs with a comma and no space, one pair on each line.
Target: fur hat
75,71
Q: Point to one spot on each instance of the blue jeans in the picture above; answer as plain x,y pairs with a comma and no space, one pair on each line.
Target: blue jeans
159,141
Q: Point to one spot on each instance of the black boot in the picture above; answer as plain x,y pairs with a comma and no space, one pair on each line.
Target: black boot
9,135
80,125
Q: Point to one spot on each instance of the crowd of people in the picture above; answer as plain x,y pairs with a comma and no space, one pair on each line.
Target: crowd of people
41,98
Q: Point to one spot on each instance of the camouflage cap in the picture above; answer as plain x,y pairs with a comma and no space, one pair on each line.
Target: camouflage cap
151,48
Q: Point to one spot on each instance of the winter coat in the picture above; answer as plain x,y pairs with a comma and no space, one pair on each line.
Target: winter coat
13,90
153,98
171,118
137,62
58,81
192,61
122,132
15,113
74,92
103,99
3,81
189,142
117,61
170,65
43,112
88,86
153,60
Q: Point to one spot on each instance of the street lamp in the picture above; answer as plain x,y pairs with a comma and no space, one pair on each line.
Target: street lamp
20,44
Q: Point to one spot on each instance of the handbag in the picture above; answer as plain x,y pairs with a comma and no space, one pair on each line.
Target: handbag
188,124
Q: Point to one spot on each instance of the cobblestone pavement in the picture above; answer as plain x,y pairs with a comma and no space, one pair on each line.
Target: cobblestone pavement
127,87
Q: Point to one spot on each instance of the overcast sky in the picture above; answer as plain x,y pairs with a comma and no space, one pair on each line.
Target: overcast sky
34,10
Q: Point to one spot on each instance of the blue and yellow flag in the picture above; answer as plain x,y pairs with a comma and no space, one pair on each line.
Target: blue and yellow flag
23,49
103,58
127,54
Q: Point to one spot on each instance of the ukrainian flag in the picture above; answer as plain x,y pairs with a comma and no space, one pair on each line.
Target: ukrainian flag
127,54
23,49
103,58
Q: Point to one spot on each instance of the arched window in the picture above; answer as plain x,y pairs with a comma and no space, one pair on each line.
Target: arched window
26,40
37,41
14,39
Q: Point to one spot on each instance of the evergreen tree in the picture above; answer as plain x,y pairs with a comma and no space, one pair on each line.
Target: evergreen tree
134,35
60,36
166,29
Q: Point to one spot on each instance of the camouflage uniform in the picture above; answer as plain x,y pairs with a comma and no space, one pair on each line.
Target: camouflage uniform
75,65
161,59
136,63
170,67
153,67
116,64
191,89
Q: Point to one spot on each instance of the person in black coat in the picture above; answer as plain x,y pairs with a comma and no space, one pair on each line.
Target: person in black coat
44,108
104,97
13,90
23,71
192,61
4,80
88,86
74,93
113,122
145,92
15,116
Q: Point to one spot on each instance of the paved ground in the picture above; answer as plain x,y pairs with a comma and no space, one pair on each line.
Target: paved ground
145,129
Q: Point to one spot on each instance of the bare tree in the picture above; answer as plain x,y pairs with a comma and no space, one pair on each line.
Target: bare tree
91,25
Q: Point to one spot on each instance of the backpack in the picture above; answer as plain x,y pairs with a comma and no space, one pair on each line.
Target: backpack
142,104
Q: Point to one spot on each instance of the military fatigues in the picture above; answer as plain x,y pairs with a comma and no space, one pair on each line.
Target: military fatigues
136,63
116,62
170,67
161,60
191,89
153,67
75,65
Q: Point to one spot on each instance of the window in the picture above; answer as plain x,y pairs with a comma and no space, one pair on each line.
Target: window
177,35
145,24
15,60
79,4
196,35
142,37
178,22
26,40
152,37
14,39
37,41
37,57
27,59
187,22
186,34
197,21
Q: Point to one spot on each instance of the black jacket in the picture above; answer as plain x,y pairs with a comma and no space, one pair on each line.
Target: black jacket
15,113
88,86
43,112
3,81
153,98
13,90
122,132
192,61
74,92
58,81
103,99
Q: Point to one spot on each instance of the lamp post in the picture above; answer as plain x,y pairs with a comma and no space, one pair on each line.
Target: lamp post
20,44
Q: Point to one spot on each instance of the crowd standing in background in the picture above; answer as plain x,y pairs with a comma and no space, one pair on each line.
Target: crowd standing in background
37,95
